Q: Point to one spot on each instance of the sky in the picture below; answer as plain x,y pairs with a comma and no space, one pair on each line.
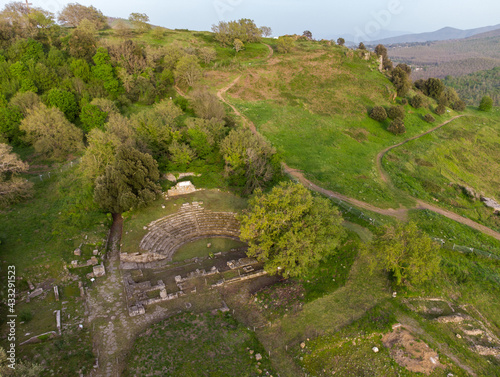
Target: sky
327,19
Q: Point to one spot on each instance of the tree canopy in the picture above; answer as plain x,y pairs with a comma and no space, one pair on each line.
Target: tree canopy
12,187
290,230
129,182
405,251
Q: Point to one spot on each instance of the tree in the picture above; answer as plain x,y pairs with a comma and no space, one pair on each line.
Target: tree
486,104
187,70
92,117
381,50
408,253
401,80
250,161
207,54
266,31
50,132
285,44
308,34
206,105
458,105
396,112
10,120
181,155
361,46
105,73
397,127
440,109
140,22
82,45
417,101
12,187
130,182
290,230
122,29
244,30
378,113
238,45
434,88
64,101
73,14
341,41
103,145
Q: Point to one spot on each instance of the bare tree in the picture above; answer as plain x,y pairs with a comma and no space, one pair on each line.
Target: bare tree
12,187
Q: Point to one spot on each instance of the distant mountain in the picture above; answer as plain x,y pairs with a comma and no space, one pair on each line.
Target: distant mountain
351,38
439,35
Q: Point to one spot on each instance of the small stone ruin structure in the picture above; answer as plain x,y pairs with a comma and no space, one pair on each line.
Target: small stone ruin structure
182,188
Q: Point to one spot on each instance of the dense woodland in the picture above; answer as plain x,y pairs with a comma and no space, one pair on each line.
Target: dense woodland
476,85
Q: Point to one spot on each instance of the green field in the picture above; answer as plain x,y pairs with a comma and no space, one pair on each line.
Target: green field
199,248
198,345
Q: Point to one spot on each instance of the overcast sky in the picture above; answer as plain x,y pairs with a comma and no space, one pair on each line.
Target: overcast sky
324,18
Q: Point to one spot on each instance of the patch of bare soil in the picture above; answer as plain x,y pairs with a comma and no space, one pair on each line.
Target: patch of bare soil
413,354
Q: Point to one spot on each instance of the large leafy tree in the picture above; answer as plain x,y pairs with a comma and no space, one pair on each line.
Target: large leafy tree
50,132
188,70
250,161
12,187
73,14
290,230
407,252
486,104
130,182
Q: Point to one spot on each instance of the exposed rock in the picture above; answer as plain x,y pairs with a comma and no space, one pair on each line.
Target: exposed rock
258,356
491,203
77,252
375,349
455,318
303,345
486,351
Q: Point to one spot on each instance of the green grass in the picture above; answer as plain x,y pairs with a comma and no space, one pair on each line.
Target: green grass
198,345
199,248
213,200
465,152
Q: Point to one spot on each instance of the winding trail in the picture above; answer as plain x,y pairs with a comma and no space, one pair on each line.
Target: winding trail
400,213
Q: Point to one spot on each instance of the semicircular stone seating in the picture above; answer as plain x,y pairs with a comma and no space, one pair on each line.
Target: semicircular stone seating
191,222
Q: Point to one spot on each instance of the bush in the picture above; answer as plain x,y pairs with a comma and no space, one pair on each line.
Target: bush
486,104
458,105
440,109
396,112
404,101
417,101
429,118
26,315
378,113
397,127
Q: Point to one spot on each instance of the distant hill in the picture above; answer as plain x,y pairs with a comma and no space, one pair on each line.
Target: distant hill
473,87
454,57
443,34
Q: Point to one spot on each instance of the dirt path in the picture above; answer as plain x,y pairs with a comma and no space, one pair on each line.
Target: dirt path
400,213
271,51
381,155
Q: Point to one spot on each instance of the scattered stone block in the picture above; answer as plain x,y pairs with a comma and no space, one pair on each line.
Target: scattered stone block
258,356
99,270
56,292
95,252
58,321
163,293
92,261
74,263
303,345
35,293
492,203
136,310
182,188
375,349
209,244
394,294
31,286
78,252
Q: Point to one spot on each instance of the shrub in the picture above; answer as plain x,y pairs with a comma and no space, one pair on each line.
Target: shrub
378,113
396,112
417,101
397,127
486,104
26,315
440,109
458,105
404,101
429,118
